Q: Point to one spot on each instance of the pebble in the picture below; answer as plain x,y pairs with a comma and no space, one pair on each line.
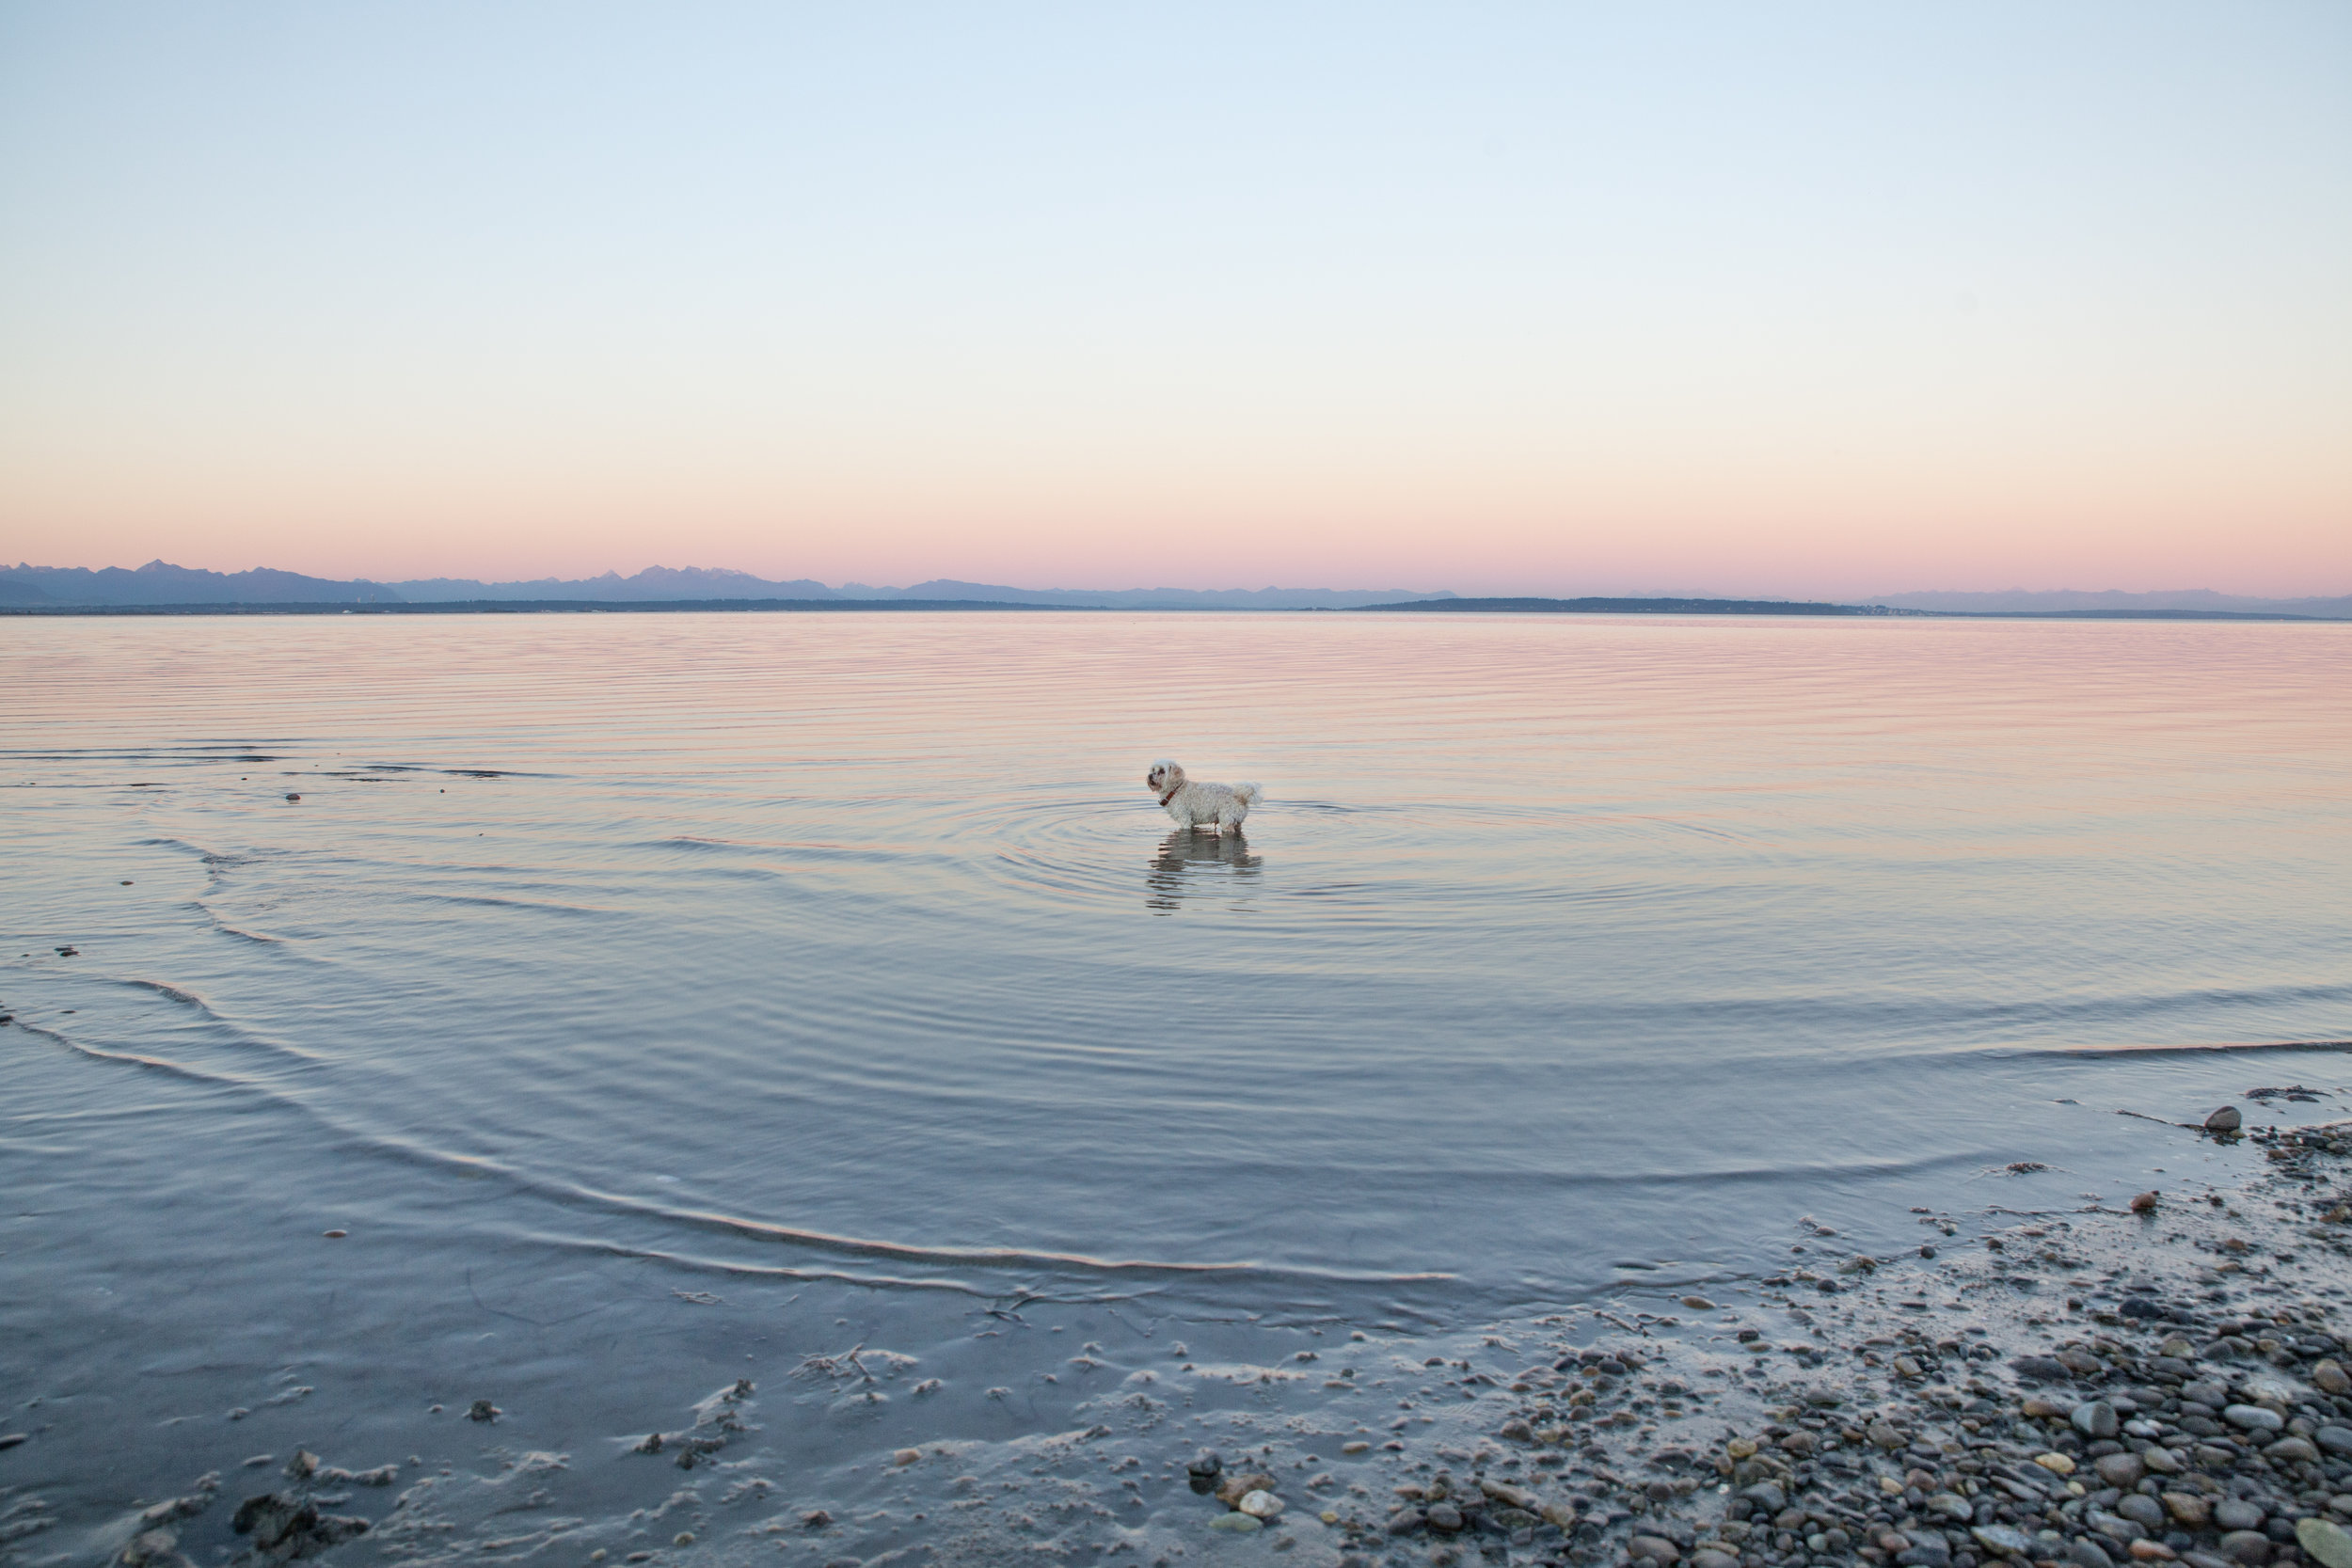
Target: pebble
1240,1523
1260,1505
1445,1516
2237,1513
2326,1542
906,1456
483,1410
2004,1539
1356,1446
2121,1469
2336,1440
2252,1417
2246,1546
2095,1419
1205,1463
2144,1203
2226,1120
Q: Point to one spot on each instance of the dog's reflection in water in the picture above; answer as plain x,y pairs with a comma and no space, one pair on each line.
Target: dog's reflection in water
1186,848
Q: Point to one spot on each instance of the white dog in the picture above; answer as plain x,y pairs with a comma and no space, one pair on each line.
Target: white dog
1217,807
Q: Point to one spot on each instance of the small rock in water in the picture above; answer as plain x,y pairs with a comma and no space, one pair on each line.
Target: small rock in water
1205,1463
906,1456
1444,1517
2224,1120
1355,1447
292,797
1240,1523
2144,1203
1698,1304
302,1464
1234,1488
1260,1505
483,1410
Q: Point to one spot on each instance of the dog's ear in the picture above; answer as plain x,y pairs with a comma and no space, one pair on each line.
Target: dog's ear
1174,777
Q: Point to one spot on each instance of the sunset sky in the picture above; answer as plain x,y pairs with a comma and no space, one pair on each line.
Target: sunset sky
1804,298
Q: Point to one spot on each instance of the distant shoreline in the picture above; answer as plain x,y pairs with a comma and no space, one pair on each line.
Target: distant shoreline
1444,607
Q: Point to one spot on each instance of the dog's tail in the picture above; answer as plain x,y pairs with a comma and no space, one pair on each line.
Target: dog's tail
1249,794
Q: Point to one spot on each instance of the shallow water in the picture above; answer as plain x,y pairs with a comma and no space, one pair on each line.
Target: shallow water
610,962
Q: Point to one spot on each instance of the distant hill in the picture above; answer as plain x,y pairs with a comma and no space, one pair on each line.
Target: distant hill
1148,598
1633,607
668,583
159,582
2066,600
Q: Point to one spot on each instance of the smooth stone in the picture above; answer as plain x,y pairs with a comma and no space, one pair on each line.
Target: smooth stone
2336,1440
2087,1553
1404,1521
2141,1510
1205,1463
2115,1527
2294,1450
2237,1513
2194,1512
1444,1517
2246,1546
1240,1523
1926,1554
2056,1464
2122,1469
2331,1376
1260,1505
2252,1417
2226,1120
1655,1548
2206,1392
1767,1495
2003,1538
2095,1419
2326,1542
1708,1556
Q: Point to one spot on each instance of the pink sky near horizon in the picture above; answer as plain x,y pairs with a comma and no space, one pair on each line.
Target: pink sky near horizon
1832,301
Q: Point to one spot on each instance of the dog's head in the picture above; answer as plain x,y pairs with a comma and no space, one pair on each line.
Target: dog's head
1166,777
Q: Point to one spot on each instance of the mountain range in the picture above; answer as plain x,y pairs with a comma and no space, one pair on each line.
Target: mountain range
159,582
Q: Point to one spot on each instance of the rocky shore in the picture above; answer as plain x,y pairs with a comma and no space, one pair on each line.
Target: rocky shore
2165,1380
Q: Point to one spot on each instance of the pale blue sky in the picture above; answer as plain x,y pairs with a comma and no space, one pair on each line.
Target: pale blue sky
1794,298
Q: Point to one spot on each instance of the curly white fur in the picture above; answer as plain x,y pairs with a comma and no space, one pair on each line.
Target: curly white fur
1217,807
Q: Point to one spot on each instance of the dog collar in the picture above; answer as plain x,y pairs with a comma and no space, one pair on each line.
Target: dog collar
1170,796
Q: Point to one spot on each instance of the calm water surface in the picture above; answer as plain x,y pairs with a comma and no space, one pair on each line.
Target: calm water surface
609,963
